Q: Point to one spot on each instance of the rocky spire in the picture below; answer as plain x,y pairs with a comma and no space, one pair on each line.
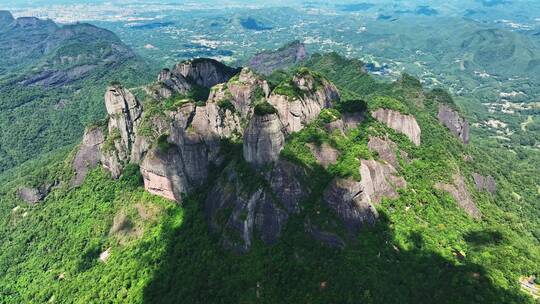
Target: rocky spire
263,139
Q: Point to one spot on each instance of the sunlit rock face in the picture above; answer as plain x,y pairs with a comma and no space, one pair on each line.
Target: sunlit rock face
454,122
402,123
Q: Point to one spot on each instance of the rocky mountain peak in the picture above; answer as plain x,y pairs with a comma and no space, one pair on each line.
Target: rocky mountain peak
263,139
205,72
269,61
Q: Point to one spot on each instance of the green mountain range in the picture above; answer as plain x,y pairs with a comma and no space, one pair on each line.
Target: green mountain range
313,184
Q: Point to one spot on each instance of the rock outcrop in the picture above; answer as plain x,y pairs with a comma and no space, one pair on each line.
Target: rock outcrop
263,139
380,180
124,117
313,93
485,183
89,154
169,84
204,72
267,62
387,150
347,122
124,112
239,207
454,122
34,195
458,190
405,124
162,174
351,203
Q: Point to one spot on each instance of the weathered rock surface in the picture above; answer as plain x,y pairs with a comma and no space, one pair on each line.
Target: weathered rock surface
247,89
296,111
405,124
347,122
89,154
235,212
124,113
458,190
34,195
485,183
163,175
454,122
351,203
325,154
267,62
380,180
263,139
204,72
169,84
285,181
387,150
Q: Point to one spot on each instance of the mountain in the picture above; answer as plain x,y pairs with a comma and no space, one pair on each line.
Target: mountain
51,78
213,185
269,61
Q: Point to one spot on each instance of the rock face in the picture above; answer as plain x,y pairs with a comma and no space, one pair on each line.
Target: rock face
380,180
386,149
347,122
247,89
124,113
325,154
162,174
263,139
89,154
267,62
485,183
169,84
34,195
454,122
237,210
458,190
405,124
351,203
205,72
314,94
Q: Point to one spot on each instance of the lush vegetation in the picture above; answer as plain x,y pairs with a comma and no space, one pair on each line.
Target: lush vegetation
423,249
264,108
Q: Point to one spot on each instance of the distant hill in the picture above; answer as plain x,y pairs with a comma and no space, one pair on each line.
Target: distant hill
52,80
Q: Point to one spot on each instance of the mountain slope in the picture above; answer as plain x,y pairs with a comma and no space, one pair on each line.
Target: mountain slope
377,219
53,77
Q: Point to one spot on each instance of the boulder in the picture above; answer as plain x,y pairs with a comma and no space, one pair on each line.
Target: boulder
485,183
263,139
34,195
454,122
405,124
458,190
89,154
380,180
204,72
